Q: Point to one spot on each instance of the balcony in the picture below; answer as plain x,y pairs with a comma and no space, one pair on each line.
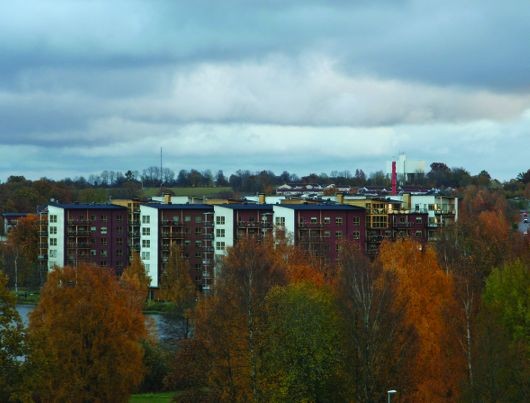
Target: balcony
310,225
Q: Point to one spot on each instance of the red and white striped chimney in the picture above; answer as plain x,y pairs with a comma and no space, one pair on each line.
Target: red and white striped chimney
394,179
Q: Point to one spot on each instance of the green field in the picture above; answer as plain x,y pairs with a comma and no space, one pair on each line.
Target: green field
188,191
162,397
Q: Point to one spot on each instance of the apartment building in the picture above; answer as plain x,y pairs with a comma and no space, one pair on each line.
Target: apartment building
237,221
320,228
189,226
91,233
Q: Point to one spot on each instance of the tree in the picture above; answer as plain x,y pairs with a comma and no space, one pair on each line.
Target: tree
84,328
177,287
378,345
300,344
229,323
136,280
428,293
12,346
220,179
23,245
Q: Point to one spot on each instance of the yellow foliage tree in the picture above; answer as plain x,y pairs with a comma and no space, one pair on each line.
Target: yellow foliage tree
85,338
428,293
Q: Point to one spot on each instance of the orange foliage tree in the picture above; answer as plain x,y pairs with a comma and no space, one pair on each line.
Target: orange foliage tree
85,338
136,280
428,293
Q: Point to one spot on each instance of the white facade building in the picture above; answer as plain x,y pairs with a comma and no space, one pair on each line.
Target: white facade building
405,168
149,241
56,231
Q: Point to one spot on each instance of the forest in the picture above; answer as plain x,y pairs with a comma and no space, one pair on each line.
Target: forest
444,322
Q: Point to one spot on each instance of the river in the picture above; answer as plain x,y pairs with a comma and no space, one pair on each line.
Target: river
25,310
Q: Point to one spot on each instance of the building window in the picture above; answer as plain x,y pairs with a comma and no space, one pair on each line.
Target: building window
431,207
220,232
146,255
103,263
220,245
104,218
280,221
338,234
198,230
314,220
53,253
146,231
187,218
92,218
53,218
187,242
147,267
53,241
104,253
356,221
118,218
146,243
327,220
103,230
146,219
327,234
356,235
176,218
338,220
119,241
419,234
198,243
119,252
93,252
402,219
93,229
197,254
53,230
220,219
419,220
198,219
103,241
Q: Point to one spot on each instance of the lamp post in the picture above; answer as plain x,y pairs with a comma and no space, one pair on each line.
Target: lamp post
390,393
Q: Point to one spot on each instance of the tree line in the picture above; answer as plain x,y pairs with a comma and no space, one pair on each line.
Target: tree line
439,323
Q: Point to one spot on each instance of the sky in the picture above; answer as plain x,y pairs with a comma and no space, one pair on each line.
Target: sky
298,85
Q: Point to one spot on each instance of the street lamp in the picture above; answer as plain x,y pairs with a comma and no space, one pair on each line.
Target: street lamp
390,393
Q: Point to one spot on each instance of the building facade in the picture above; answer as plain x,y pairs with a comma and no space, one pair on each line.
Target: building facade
321,228
188,226
89,233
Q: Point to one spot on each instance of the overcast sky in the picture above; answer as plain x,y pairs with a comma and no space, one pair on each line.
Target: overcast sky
304,86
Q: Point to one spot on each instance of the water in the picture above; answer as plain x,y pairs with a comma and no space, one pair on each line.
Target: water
25,310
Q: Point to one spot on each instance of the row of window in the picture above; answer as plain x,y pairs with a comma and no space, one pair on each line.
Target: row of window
187,218
314,220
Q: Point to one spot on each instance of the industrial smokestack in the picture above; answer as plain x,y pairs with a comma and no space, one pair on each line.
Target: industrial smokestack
394,179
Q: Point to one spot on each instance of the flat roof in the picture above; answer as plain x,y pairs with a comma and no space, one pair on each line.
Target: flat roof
87,206
343,207
165,206
242,206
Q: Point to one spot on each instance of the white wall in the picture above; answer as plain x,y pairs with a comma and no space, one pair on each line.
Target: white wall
153,261
289,215
228,226
60,236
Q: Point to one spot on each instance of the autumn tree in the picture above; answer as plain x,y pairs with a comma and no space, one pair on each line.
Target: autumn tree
300,346
229,323
178,288
378,344
85,338
428,293
22,250
136,280
12,346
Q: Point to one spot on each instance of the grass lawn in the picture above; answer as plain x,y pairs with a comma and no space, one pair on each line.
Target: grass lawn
188,191
162,397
